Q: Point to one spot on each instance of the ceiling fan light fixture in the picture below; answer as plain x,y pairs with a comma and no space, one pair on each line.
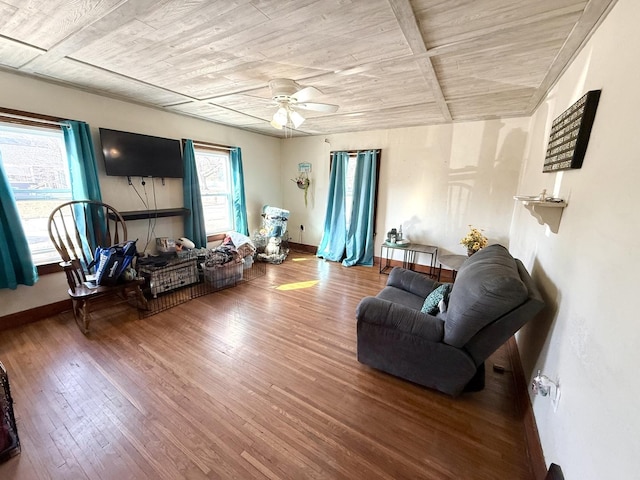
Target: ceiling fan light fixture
289,97
296,118
281,116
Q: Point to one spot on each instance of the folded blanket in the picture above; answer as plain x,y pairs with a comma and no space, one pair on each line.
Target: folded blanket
243,244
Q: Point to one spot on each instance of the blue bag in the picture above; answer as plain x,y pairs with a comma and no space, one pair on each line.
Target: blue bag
113,261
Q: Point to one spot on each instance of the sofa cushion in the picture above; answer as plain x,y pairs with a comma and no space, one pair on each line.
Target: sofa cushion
397,295
487,286
432,302
394,317
411,281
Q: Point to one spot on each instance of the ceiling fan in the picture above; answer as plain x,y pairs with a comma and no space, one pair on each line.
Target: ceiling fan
290,97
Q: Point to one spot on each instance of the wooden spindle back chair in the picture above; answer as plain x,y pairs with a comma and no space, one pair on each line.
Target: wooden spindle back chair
76,229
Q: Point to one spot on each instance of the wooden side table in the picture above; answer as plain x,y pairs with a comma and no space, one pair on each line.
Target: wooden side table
451,262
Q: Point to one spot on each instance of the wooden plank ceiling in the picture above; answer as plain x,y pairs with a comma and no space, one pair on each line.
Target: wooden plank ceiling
386,63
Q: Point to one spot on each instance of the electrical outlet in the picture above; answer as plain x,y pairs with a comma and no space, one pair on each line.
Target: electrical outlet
302,228
544,386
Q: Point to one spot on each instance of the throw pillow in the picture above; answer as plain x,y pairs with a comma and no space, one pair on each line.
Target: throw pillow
438,294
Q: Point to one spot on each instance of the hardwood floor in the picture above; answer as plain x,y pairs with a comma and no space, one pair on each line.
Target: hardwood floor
257,381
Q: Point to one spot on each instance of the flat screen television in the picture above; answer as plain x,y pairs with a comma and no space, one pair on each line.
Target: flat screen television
136,155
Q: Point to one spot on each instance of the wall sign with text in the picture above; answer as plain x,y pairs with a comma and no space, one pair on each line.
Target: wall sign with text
570,134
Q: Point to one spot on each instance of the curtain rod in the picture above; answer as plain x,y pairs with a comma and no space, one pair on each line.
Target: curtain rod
9,115
356,151
197,143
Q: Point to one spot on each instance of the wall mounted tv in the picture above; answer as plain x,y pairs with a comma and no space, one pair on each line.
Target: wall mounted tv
136,155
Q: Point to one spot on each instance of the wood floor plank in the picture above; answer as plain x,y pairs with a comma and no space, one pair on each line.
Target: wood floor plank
256,381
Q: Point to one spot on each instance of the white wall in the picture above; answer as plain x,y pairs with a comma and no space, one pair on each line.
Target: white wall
261,162
434,180
589,336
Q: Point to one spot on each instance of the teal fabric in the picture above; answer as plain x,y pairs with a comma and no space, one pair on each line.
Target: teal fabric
334,238
360,245
194,227
239,202
432,301
16,264
83,173
82,161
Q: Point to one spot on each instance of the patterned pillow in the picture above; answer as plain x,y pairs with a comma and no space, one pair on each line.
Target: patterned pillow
438,294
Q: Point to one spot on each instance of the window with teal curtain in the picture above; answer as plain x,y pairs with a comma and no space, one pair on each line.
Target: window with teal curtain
16,264
221,180
194,225
239,202
334,238
350,216
59,165
36,163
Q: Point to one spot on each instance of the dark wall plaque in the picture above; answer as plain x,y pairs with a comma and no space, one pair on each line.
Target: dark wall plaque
570,134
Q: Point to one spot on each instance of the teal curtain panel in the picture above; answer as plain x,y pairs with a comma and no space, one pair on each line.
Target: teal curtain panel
82,161
16,264
194,227
360,246
334,236
239,202
83,173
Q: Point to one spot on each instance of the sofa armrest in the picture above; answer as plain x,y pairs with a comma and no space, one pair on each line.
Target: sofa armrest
398,317
410,281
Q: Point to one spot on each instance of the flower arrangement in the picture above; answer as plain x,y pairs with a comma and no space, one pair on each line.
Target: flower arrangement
474,240
303,183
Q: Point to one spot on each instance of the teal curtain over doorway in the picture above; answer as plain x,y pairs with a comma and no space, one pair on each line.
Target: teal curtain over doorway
334,238
348,237
360,247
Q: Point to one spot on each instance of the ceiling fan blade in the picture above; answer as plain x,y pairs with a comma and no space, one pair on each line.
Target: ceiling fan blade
296,119
317,107
306,93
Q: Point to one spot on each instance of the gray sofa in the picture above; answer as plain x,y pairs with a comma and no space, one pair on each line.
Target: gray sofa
492,297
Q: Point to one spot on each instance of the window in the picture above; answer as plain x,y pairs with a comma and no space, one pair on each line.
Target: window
35,161
350,179
214,177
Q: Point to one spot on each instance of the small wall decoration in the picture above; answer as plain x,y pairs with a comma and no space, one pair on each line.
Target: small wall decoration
304,167
570,134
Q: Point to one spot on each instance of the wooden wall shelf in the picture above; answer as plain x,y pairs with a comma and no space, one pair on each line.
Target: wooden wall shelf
165,212
547,212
